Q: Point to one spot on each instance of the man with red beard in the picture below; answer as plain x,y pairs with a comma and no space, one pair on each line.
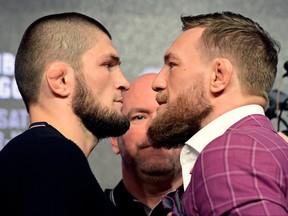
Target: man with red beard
212,93
68,74
148,173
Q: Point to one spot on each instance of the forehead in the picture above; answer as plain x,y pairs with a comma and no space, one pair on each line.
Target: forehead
102,48
145,81
140,93
186,41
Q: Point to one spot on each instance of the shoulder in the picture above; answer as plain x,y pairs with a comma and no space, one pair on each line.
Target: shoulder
244,148
42,140
252,133
124,201
119,194
45,150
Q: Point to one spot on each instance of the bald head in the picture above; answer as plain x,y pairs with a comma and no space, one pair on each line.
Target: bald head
140,93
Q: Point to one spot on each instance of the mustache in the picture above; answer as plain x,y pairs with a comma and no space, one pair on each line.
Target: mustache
161,98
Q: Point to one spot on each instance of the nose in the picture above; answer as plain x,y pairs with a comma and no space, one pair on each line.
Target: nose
159,83
123,83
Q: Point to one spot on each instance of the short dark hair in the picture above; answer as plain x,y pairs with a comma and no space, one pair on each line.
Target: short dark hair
64,37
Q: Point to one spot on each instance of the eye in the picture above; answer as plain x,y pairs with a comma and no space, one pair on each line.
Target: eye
137,117
108,64
171,64
111,64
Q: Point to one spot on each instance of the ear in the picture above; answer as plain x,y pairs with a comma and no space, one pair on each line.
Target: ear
115,146
221,75
57,75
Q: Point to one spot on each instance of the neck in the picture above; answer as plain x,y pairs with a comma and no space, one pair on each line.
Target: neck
68,125
231,103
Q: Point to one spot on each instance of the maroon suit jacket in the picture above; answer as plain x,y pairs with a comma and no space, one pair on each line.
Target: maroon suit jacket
242,172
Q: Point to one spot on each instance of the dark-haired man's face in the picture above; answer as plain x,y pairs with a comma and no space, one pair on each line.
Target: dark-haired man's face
101,120
98,91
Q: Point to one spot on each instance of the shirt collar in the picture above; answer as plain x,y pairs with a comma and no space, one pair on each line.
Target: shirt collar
218,126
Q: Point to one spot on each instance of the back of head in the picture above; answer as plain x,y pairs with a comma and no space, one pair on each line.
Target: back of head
242,41
63,37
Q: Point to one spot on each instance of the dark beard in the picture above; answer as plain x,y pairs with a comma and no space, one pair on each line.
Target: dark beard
98,119
182,119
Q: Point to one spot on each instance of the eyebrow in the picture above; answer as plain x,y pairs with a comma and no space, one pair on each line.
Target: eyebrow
169,56
115,58
112,57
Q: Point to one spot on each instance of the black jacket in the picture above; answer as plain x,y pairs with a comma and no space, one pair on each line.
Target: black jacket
127,205
43,173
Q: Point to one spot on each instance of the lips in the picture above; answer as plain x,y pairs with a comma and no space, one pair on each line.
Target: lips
145,144
161,98
145,147
119,100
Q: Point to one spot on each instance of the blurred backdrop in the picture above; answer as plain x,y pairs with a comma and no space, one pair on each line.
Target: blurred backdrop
142,30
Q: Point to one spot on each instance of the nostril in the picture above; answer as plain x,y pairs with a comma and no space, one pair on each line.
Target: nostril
123,88
157,89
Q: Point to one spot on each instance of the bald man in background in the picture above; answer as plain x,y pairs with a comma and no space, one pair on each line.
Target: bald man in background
148,173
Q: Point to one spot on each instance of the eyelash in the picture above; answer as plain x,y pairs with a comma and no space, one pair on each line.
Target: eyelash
108,64
171,65
111,64
137,117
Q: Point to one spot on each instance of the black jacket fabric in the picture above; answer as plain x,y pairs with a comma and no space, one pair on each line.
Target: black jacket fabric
43,173
129,206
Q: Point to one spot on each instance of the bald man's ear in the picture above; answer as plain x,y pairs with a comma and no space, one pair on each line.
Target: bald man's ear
221,75
115,146
59,76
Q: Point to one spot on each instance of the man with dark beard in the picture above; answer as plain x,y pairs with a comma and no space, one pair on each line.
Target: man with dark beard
68,74
212,92
148,173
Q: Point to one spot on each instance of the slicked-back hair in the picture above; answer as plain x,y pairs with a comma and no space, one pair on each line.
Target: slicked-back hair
64,37
244,42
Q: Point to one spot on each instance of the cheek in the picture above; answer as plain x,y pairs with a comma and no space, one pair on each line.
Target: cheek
135,131
134,136
102,88
106,97
177,87
181,79
186,87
